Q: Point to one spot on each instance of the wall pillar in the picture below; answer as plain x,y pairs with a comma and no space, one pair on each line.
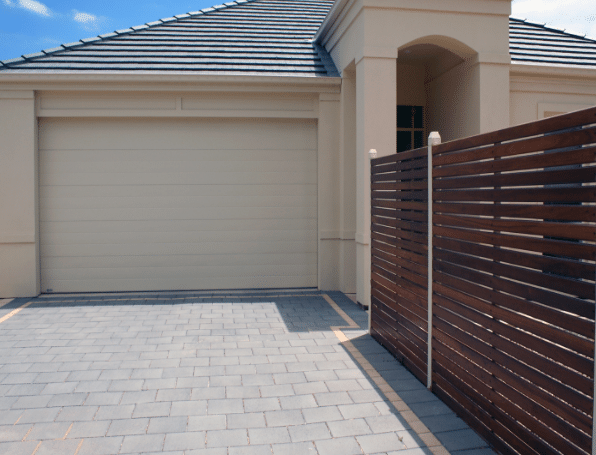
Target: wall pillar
375,129
494,92
328,191
347,183
19,234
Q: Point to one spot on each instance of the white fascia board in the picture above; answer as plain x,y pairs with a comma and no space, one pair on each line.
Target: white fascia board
143,81
521,69
329,21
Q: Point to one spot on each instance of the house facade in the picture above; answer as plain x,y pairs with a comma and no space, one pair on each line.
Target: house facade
228,148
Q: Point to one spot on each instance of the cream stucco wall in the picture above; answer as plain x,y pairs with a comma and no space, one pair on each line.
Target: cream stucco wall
19,263
536,94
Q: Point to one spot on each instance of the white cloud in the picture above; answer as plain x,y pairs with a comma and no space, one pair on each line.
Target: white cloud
87,20
84,18
35,7
576,16
30,5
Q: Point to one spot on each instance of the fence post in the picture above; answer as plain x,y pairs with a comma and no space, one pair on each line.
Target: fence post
372,154
433,139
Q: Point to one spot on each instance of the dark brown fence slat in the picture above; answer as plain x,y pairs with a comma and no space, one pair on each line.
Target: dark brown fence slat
535,144
545,356
543,195
555,247
560,122
581,289
567,230
487,371
556,318
523,410
514,278
549,333
519,179
541,212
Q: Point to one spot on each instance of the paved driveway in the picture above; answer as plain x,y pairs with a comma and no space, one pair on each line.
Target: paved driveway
210,373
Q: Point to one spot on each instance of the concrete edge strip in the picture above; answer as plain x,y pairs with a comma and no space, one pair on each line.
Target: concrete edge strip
433,444
15,311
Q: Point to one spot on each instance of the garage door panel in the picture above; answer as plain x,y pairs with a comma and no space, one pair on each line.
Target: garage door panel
179,134
207,213
96,227
186,178
145,166
161,284
179,260
95,156
145,249
194,190
177,237
189,272
150,204
187,202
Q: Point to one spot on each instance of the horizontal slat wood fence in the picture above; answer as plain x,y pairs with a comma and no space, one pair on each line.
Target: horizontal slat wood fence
513,304
399,257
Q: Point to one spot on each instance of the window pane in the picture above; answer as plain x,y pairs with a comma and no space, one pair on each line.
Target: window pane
418,117
404,116
418,139
404,141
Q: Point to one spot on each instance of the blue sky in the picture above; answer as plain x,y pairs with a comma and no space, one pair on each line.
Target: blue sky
28,26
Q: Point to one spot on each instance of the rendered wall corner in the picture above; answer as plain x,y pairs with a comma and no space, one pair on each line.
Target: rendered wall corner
19,258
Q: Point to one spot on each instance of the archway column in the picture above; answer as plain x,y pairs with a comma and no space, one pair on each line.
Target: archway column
375,129
493,99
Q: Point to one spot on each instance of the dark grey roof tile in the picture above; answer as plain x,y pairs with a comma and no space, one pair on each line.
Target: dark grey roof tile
53,50
35,55
13,60
535,44
260,37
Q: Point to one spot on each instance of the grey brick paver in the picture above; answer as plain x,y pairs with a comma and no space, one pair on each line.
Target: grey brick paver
226,438
300,448
114,412
184,441
225,406
53,430
200,423
18,448
248,420
67,447
127,427
309,432
89,429
142,443
339,446
283,418
36,415
380,442
354,427
269,435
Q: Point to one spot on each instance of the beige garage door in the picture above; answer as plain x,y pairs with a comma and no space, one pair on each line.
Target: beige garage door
164,204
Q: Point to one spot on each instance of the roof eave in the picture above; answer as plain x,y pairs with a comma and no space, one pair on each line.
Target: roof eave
330,19
137,77
546,70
